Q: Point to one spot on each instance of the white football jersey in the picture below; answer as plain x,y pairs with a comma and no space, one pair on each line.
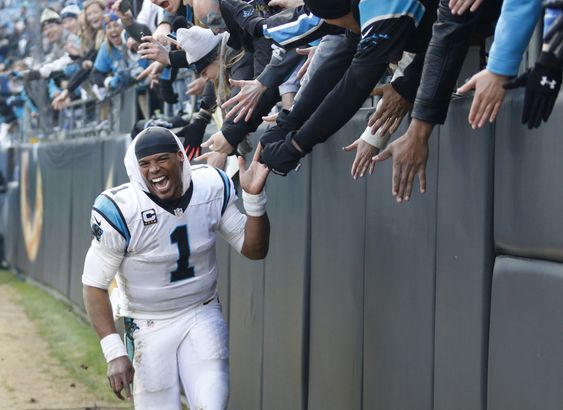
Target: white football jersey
166,259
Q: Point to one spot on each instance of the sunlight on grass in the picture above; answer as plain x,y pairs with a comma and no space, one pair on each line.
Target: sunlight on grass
71,340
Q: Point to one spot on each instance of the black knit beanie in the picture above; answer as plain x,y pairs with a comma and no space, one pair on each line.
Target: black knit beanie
329,9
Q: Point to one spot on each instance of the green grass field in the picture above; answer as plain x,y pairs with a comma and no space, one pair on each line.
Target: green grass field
71,340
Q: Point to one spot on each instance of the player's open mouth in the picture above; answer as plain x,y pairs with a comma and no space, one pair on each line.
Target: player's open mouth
161,183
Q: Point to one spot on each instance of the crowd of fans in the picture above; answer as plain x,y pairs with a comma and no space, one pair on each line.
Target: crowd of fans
306,66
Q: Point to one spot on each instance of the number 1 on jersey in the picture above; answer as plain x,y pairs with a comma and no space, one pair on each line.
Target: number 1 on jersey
183,271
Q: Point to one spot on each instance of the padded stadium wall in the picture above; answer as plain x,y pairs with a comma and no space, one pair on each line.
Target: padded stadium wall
450,301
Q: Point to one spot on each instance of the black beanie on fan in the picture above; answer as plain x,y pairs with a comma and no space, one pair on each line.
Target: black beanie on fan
329,9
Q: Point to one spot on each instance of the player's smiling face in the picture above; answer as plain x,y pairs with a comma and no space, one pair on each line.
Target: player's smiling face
163,174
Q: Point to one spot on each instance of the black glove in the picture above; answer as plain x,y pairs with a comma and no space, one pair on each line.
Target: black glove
284,125
166,91
193,134
542,87
281,156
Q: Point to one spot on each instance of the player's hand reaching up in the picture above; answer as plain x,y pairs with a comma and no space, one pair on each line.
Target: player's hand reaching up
120,376
253,178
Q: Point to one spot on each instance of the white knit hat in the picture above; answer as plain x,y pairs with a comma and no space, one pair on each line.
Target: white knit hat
48,16
197,42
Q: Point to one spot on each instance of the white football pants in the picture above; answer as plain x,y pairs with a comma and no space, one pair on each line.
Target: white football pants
191,351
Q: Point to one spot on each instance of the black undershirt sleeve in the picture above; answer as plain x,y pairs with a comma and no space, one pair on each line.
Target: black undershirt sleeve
83,73
178,59
208,98
446,52
367,67
97,77
324,79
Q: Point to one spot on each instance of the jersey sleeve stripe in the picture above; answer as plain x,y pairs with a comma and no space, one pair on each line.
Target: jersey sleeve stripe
109,210
372,11
293,31
226,189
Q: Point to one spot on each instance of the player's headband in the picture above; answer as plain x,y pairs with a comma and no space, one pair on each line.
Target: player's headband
155,140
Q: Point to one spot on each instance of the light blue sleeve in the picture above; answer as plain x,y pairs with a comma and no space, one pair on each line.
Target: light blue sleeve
103,59
512,35
53,89
372,11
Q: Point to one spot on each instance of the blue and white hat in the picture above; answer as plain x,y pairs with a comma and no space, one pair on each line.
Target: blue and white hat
70,11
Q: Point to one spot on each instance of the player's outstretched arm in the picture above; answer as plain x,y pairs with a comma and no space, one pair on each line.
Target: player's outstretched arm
120,370
257,227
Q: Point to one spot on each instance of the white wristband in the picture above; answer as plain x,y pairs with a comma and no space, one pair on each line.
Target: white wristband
44,71
375,140
107,81
113,347
254,205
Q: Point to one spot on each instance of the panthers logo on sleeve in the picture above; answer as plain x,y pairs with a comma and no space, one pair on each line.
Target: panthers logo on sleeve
97,228
108,224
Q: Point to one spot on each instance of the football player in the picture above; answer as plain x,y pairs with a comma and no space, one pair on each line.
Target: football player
156,235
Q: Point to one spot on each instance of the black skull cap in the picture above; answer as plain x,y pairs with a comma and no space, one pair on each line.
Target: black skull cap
155,140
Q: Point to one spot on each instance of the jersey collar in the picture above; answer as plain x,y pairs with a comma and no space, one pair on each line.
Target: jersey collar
175,205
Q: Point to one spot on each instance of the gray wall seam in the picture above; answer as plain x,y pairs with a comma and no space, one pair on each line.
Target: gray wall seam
435,269
305,363
487,311
263,263
362,377
69,274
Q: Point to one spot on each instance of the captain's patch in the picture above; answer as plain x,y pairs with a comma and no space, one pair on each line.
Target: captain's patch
149,217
